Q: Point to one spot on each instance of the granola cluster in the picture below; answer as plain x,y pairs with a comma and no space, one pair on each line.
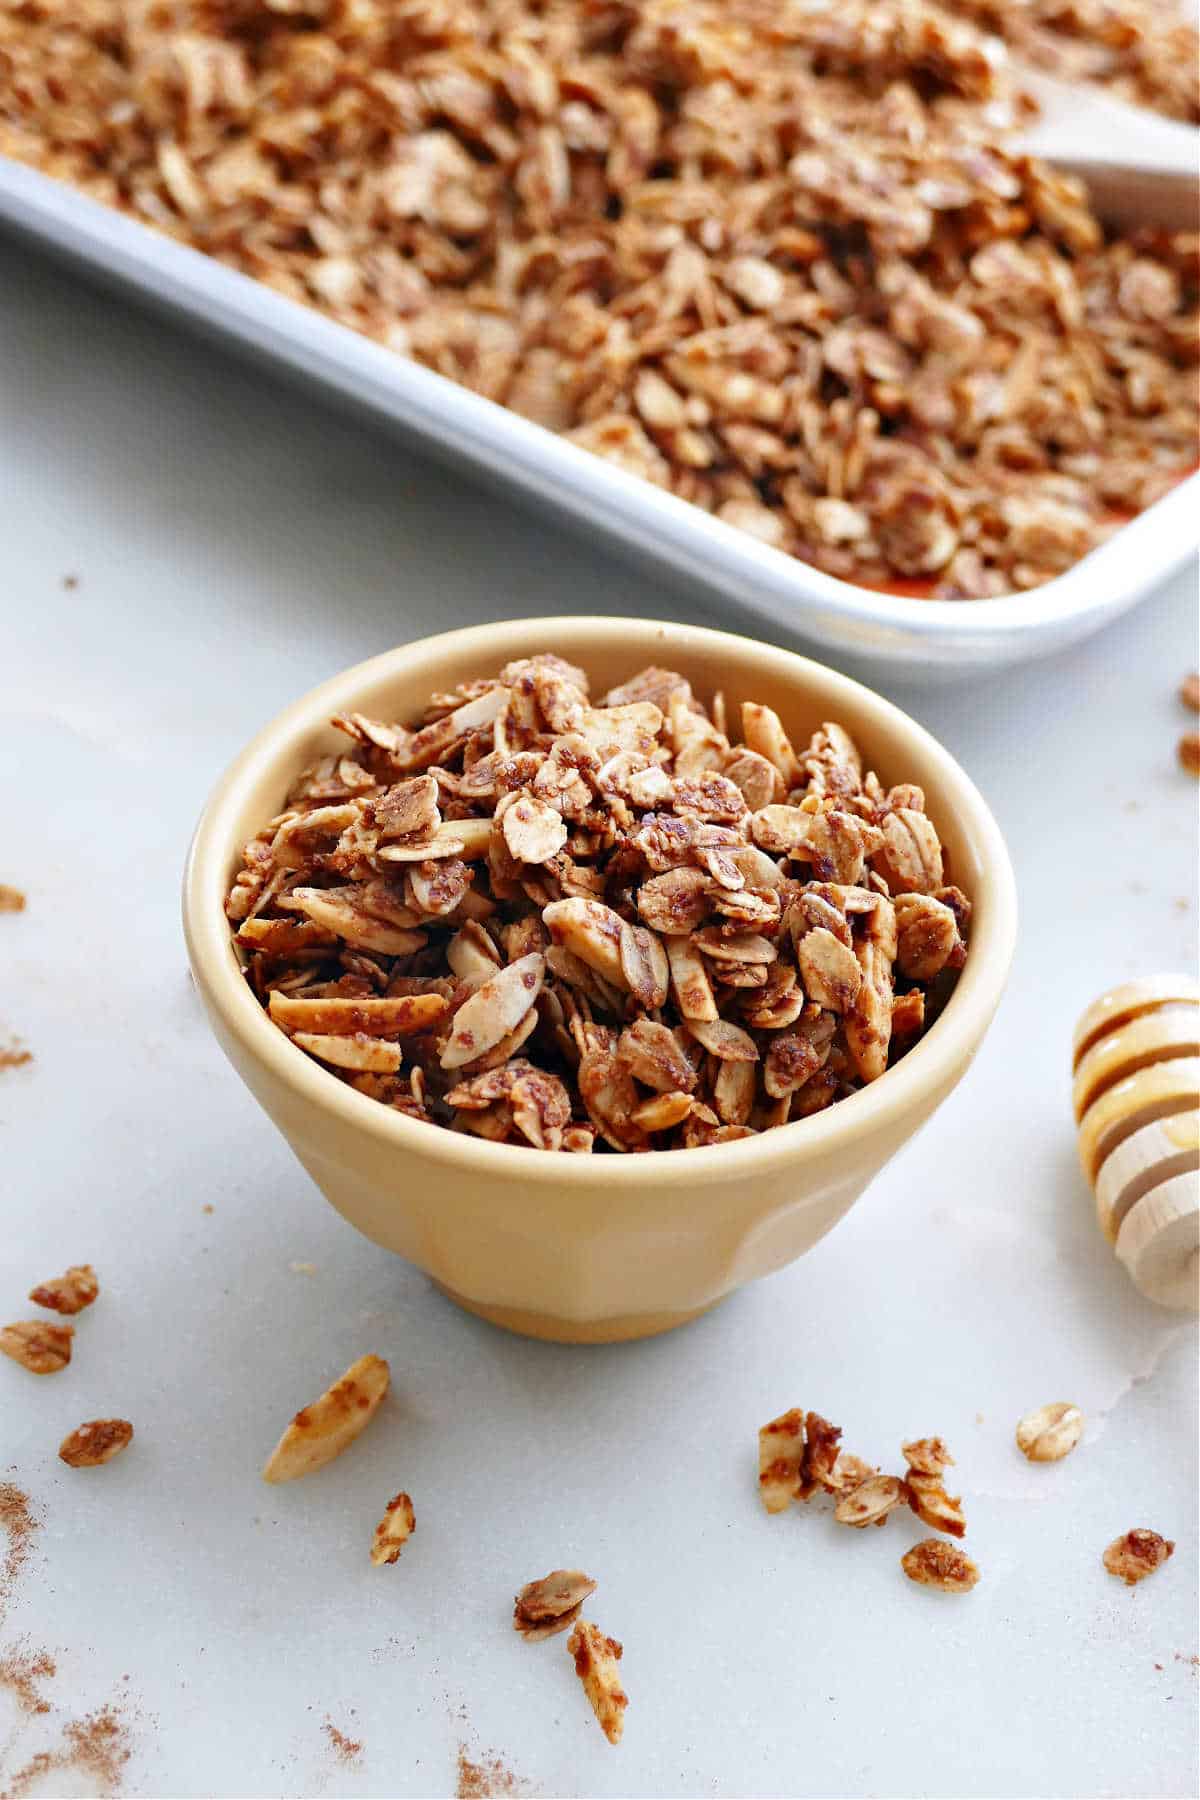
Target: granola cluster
769,256
568,923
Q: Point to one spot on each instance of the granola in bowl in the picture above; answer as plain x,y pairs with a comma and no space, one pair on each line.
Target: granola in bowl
774,259
617,923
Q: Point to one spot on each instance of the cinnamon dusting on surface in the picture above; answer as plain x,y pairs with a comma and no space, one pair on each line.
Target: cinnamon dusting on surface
348,1749
11,899
97,1747
20,1671
488,1775
19,1526
14,1054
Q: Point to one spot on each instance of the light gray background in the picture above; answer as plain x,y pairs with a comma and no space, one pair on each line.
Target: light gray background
235,542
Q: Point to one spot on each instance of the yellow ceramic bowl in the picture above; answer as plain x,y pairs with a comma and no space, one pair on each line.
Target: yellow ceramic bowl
590,1249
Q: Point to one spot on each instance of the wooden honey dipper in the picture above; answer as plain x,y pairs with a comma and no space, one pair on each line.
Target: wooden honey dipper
1137,1105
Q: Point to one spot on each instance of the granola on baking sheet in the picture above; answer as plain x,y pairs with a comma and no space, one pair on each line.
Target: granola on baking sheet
570,922
772,257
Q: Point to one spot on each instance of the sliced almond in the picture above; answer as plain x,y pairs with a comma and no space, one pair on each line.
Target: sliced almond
780,1460
91,1445
355,1052
337,910
871,1501
829,970
472,955
653,1054
689,981
724,1040
68,1293
398,1016
592,932
663,1111
551,1604
935,1564
763,731
596,1658
38,1345
330,1425
644,966
493,1010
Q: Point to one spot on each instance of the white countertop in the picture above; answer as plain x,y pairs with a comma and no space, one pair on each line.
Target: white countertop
233,543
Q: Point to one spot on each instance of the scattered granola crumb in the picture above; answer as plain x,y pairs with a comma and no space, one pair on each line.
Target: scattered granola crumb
98,1747
347,1749
37,1345
1193,1661
206,1208
70,582
596,1658
11,899
14,1055
551,1604
393,1530
1050,1432
68,1293
21,1670
1189,693
328,1426
1137,1554
933,1563
95,1443
1189,752
485,1776
302,1268
20,1526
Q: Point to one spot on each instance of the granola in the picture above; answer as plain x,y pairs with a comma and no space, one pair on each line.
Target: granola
596,1658
393,1531
1137,1554
38,1346
559,921
68,1293
551,1604
776,260
330,1425
95,1442
932,1563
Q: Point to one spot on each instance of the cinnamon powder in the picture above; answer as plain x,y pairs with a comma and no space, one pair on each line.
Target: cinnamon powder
20,1671
97,1746
11,899
20,1527
488,1776
14,1055
348,1749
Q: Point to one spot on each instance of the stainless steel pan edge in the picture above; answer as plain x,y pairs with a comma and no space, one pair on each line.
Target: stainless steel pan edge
934,639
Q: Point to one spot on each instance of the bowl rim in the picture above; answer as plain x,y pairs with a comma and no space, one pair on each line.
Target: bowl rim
923,1070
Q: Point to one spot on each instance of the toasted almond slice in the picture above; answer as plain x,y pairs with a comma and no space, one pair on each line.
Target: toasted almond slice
780,1459
653,1053
434,741
781,828
533,831
449,843
758,780
37,1345
68,1293
733,1092
371,731
337,910
724,1040
1050,1432
292,845
330,1425
493,1010
552,1604
650,787
358,1051
829,970
393,1531
689,981
764,733
932,1563
644,966
398,1016
737,947
472,955
676,902
871,1501
283,937
910,860
95,1443
507,1047
663,1111
592,932
934,1506
607,1090
596,1658
408,809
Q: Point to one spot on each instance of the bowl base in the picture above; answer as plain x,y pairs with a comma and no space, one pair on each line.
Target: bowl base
617,1330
